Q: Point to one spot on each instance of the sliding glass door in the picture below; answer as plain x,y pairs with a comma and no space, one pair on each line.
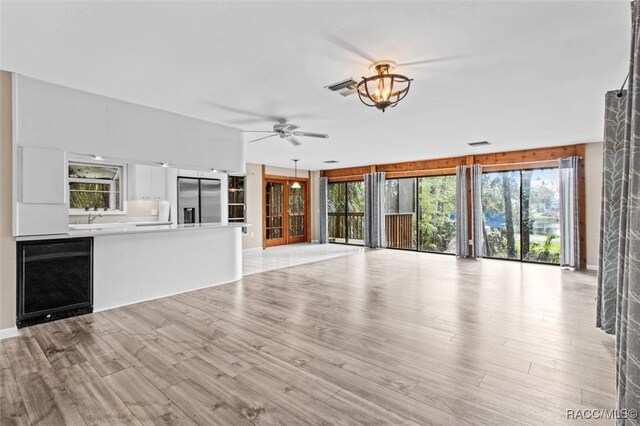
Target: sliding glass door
420,213
401,216
437,214
346,212
521,215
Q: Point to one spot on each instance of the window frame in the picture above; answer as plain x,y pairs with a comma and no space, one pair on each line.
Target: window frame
122,169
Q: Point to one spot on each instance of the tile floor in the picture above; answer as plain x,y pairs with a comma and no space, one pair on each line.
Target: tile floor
255,261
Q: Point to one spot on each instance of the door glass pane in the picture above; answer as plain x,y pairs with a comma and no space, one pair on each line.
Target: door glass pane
296,211
337,209
355,212
437,214
274,210
541,216
501,214
400,209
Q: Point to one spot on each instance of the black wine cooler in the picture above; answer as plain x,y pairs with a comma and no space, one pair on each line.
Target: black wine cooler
55,279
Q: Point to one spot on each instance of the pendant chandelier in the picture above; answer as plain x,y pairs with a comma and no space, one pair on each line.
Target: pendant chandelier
296,184
384,89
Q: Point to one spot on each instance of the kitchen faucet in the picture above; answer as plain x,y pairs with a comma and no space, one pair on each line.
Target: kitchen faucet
92,217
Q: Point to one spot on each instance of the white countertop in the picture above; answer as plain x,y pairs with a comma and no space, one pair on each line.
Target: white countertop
128,228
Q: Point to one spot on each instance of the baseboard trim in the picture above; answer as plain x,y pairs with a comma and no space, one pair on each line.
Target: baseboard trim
7,333
315,241
249,250
592,267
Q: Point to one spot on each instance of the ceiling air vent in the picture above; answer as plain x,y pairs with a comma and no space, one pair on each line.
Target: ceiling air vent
345,87
481,143
330,161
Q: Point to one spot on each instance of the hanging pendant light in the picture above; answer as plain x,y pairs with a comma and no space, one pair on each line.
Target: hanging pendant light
384,89
296,184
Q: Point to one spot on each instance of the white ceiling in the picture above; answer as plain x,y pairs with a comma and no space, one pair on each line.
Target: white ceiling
519,74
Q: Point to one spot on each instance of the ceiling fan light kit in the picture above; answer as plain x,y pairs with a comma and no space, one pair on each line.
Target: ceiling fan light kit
383,90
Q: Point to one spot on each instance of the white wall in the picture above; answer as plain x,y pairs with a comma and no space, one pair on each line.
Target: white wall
593,185
7,241
253,194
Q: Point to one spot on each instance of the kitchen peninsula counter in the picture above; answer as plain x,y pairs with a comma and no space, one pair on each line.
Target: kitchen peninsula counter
148,262
132,264
130,228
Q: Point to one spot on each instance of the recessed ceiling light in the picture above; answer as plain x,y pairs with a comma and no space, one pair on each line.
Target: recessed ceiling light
164,164
98,157
481,143
330,161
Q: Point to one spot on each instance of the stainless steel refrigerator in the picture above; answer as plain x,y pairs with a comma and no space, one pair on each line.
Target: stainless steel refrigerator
199,200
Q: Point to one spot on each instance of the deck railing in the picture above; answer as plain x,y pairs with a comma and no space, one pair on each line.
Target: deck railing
399,230
340,227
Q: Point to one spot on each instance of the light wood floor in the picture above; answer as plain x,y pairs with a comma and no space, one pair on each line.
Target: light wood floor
381,337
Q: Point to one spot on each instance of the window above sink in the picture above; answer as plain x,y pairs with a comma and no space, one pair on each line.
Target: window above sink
96,187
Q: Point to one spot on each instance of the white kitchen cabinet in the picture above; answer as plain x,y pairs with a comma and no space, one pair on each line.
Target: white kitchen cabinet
146,182
42,176
41,198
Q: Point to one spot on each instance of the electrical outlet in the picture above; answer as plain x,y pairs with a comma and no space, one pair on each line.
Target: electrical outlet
154,212
252,235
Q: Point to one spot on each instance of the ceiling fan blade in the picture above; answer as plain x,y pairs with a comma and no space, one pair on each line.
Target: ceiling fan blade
257,115
351,48
312,135
294,141
259,139
291,127
257,131
431,61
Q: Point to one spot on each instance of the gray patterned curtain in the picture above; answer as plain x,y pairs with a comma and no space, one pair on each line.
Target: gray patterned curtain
374,235
619,277
569,231
462,212
615,153
324,216
477,222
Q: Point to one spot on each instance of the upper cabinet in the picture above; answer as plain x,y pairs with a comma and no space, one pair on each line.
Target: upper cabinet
41,199
146,182
51,116
43,176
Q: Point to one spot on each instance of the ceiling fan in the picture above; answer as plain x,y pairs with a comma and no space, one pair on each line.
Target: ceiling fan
286,131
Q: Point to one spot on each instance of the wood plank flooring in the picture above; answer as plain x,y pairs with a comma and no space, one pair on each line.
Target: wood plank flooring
379,337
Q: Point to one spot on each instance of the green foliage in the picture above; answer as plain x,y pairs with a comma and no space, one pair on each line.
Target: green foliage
89,195
547,251
540,201
437,203
341,196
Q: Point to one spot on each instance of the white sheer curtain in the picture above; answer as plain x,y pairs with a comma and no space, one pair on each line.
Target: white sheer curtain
569,233
477,222
462,212
323,204
374,215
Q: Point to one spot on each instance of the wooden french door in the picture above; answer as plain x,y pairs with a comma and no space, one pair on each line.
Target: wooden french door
286,211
